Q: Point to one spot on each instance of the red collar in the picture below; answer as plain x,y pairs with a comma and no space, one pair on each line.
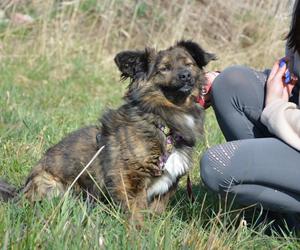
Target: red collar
201,101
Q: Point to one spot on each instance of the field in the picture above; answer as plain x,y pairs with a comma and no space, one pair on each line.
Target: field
57,74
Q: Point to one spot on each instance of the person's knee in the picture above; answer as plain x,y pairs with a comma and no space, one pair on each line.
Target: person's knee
209,175
230,81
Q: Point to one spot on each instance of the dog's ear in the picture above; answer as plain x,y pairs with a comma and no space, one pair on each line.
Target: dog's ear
201,57
134,64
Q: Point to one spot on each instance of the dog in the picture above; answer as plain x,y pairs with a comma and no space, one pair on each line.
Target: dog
148,141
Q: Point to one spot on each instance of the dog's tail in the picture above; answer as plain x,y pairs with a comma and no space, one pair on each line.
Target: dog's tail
7,191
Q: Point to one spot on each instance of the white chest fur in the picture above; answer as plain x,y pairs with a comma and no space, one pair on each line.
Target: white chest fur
177,165
190,121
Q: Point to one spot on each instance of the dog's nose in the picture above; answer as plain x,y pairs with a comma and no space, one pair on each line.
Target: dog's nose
185,75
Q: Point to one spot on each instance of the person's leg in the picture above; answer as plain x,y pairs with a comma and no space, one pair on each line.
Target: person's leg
255,171
258,171
238,100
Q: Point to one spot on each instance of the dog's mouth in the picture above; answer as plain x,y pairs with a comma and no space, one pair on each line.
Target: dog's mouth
186,89
178,92
178,87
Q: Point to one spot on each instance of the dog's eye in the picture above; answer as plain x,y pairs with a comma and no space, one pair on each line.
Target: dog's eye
189,64
130,60
165,68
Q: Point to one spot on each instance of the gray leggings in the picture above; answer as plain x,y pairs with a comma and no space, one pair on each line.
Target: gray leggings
253,166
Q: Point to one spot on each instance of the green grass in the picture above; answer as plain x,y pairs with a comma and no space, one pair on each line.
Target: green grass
36,112
58,75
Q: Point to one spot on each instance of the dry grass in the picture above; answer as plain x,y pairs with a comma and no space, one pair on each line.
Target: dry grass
247,31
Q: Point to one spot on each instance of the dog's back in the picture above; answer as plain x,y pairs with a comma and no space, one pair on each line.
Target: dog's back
62,163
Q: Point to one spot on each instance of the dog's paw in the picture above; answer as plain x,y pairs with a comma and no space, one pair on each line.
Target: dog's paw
157,172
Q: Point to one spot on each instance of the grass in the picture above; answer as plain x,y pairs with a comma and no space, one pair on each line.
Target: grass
58,75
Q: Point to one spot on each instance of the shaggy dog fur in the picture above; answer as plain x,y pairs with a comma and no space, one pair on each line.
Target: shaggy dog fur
148,140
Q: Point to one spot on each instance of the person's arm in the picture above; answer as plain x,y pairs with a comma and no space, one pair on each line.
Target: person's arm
283,120
281,117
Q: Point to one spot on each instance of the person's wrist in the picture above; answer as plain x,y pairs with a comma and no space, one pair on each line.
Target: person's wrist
271,101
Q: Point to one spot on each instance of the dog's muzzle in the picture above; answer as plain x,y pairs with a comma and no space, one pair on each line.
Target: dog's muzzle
184,77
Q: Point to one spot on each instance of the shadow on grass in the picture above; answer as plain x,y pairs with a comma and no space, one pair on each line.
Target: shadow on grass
209,208
203,207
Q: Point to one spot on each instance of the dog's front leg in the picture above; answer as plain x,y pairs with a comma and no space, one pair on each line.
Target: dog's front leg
130,194
183,124
159,203
137,207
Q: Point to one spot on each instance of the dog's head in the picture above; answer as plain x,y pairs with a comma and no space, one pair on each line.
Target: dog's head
176,72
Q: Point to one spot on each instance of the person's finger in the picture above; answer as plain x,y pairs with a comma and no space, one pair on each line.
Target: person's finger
290,86
289,89
294,80
286,93
280,72
274,70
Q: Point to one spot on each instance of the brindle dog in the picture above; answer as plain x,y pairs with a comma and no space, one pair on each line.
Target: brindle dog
148,140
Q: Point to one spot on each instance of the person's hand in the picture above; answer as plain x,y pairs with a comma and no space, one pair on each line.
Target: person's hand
276,86
210,77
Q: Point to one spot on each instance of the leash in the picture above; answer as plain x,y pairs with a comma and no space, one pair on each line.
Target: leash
189,189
